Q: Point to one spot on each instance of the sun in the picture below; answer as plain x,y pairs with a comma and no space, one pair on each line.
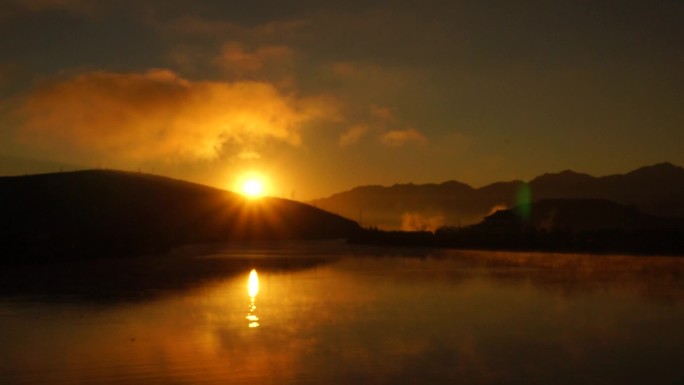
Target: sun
253,188
252,184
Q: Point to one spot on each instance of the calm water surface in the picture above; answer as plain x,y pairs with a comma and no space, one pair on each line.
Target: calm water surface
335,314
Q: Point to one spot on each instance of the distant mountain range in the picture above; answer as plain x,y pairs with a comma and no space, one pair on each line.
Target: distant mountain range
97,213
656,190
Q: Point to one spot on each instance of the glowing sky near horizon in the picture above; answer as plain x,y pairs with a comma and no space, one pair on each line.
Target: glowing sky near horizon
324,96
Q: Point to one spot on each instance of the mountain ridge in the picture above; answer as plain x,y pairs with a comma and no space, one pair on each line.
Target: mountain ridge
656,189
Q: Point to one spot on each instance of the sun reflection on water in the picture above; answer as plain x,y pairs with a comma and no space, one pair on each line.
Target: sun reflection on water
252,291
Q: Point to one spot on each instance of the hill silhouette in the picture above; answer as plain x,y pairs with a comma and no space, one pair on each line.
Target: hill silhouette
656,190
96,213
577,215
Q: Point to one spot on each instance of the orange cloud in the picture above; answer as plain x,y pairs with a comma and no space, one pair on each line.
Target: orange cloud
397,138
497,207
384,114
415,221
160,115
353,135
249,155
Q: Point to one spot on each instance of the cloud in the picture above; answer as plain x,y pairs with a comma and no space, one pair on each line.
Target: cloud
380,122
415,221
195,26
201,42
497,207
249,155
397,138
159,115
235,59
353,135
384,114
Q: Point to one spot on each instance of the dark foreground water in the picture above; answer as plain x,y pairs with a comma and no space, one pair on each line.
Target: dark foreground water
329,313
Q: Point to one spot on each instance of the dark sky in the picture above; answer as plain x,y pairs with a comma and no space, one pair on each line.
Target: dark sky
321,96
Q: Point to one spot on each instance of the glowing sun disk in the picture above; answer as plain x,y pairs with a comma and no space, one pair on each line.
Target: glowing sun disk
253,188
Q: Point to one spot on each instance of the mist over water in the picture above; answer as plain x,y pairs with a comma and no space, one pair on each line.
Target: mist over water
338,314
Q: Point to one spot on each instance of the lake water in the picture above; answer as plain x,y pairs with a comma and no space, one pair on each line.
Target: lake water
330,313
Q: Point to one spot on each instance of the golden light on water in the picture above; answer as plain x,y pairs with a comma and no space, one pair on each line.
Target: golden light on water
252,291
253,283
